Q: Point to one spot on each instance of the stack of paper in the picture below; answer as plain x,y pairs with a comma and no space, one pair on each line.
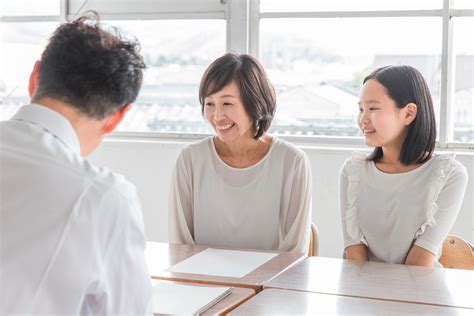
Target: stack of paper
220,262
180,299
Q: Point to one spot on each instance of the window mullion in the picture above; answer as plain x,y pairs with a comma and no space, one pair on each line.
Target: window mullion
63,9
254,25
237,16
445,124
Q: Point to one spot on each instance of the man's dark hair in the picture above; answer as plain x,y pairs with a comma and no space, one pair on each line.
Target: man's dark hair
405,84
93,69
256,91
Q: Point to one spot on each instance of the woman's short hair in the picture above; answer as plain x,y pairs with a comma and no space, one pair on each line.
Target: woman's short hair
256,91
405,84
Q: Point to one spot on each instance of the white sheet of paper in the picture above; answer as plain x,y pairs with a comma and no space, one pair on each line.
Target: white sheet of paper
220,262
180,299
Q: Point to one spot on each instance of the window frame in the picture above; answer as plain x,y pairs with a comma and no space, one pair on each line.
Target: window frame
447,13
242,35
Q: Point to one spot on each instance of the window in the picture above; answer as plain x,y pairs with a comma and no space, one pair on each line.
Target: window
176,53
464,4
318,74
24,30
21,45
316,53
463,96
179,40
29,8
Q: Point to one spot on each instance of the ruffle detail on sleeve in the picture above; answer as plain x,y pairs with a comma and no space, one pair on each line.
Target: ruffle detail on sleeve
437,181
353,168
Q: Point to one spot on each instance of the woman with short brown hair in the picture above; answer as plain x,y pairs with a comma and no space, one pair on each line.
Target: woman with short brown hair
241,188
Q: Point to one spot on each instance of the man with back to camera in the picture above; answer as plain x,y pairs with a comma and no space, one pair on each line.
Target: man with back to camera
72,238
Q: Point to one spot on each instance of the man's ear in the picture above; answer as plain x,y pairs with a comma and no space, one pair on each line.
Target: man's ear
114,119
410,113
34,78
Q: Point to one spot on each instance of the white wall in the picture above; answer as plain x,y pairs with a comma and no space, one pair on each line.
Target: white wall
148,164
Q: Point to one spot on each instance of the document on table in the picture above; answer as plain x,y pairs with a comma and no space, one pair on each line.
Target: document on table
180,299
220,262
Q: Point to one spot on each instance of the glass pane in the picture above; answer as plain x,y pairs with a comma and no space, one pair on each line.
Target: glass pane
464,4
29,7
21,44
176,52
347,5
318,74
463,98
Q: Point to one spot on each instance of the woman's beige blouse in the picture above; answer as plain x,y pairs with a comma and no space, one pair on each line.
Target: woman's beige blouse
264,206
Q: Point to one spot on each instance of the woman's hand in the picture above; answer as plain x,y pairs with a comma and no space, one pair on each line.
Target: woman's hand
357,252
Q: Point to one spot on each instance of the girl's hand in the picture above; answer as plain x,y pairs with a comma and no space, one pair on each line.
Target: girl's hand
418,256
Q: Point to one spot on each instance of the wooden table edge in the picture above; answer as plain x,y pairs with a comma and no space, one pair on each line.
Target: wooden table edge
302,258
365,297
232,307
257,287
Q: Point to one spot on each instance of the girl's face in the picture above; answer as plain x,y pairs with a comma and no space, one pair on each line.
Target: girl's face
225,112
382,123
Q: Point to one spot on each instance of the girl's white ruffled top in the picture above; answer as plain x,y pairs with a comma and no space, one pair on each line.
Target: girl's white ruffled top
391,212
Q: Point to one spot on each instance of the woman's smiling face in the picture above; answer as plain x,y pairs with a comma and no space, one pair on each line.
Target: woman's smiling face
225,112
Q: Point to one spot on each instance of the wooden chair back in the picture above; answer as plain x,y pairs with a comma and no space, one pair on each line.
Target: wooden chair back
457,253
313,242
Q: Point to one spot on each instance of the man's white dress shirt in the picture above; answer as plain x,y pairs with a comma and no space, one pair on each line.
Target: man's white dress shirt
72,238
